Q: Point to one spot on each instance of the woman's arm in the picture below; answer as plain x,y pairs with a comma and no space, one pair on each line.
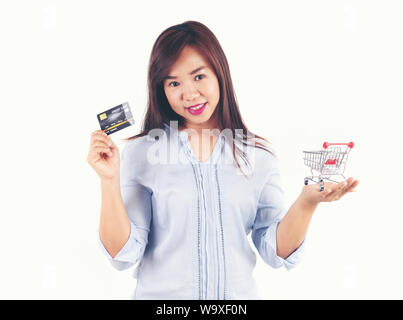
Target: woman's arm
292,228
104,158
114,226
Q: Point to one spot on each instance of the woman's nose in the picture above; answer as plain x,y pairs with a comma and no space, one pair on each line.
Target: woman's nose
190,92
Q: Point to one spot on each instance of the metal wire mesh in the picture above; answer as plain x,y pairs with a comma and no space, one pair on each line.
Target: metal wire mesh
326,162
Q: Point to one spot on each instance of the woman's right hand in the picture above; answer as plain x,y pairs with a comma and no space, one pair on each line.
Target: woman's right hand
104,156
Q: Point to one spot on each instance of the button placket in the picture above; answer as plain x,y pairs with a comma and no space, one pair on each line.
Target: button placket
204,207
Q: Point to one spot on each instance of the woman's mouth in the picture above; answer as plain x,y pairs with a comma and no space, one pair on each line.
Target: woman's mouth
196,110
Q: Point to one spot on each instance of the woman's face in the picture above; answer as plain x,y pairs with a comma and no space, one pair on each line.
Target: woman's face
192,82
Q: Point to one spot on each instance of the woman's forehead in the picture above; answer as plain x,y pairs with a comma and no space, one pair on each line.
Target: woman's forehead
188,61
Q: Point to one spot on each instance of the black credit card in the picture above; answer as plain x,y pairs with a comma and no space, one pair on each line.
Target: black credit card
116,118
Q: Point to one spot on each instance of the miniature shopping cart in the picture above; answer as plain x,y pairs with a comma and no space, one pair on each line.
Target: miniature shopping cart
331,161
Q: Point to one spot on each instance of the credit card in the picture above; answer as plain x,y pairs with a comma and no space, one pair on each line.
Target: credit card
116,118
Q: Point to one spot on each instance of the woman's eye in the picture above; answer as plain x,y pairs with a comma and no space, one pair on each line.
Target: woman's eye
170,84
173,83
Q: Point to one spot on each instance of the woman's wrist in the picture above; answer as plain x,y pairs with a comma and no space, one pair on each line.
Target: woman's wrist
307,204
112,183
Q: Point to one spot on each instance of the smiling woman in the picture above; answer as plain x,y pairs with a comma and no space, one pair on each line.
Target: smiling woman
189,81
194,95
187,223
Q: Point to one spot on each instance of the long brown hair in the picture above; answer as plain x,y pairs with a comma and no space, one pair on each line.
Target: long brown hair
165,52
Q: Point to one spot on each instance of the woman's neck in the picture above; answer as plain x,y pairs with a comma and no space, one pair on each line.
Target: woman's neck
198,128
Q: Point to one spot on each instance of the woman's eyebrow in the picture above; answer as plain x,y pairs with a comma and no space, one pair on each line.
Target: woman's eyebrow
194,71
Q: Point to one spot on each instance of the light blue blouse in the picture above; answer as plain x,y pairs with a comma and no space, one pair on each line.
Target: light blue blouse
190,220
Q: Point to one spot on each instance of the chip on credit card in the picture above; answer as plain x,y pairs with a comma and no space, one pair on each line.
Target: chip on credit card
116,118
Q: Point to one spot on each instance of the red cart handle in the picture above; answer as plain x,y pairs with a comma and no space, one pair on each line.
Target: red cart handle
326,144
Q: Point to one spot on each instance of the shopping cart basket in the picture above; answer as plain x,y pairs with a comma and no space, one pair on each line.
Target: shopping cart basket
331,161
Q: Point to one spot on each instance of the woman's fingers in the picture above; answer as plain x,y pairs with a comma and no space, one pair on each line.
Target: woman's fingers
100,143
334,189
353,185
103,155
98,132
100,136
342,188
102,149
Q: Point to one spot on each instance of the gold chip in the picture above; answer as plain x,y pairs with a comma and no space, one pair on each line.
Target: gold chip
102,116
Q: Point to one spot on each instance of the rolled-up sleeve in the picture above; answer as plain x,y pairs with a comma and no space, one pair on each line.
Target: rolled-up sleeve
270,211
137,202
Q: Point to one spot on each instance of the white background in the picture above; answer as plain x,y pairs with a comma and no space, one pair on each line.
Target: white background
304,72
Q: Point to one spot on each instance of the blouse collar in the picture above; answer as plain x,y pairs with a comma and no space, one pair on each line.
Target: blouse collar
182,134
183,137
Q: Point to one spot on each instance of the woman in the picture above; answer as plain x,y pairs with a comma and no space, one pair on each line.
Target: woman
180,202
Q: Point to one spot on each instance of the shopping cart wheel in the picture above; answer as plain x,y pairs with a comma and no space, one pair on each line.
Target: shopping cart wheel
305,181
321,186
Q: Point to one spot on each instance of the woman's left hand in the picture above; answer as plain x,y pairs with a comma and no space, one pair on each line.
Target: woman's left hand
332,191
